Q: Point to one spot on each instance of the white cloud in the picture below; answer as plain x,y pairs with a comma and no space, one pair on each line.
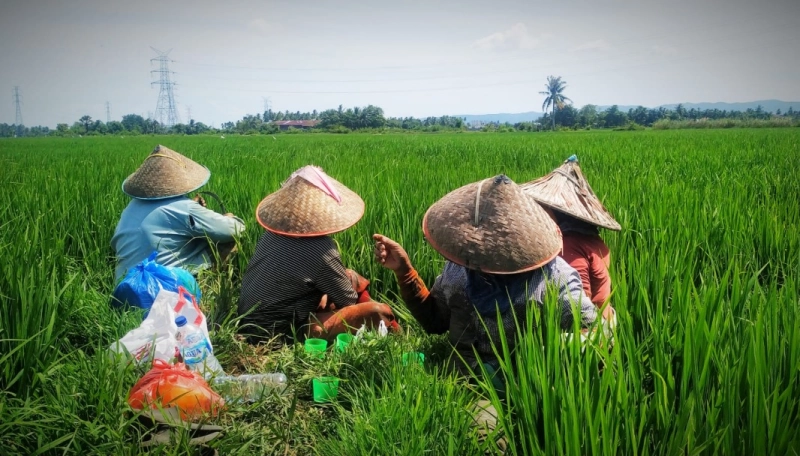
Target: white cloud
515,38
664,50
596,45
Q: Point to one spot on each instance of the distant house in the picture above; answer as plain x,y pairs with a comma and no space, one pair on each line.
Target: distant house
301,124
475,124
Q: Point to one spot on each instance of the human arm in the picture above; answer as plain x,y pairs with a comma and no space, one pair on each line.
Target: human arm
217,227
433,316
570,292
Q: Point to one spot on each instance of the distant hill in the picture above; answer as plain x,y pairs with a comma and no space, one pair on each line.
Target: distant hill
766,105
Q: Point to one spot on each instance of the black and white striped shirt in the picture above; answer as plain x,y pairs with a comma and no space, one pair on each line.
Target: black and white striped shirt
285,280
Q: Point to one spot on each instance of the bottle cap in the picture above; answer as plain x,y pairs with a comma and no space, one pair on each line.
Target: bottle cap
180,321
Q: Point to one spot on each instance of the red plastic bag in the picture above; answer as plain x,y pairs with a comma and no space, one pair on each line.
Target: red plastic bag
167,385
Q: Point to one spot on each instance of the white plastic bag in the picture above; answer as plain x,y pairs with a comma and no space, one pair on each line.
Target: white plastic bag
157,334
606,328
363,332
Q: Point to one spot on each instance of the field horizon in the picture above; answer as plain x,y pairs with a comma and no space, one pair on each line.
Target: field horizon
705,283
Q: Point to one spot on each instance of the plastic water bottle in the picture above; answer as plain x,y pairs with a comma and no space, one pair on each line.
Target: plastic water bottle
249,387
196,349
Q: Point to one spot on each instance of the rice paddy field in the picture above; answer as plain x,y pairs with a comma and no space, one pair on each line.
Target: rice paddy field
705,283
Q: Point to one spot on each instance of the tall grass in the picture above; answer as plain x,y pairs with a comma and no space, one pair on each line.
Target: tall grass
706,358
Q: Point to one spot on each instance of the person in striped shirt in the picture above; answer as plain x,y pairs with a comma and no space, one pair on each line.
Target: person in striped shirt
295,284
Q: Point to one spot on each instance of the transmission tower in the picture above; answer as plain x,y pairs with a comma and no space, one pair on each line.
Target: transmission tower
108,112
18,105
166,109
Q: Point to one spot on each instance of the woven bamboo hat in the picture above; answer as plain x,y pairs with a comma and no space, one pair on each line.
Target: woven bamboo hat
165,174
565,189
493,227
310,203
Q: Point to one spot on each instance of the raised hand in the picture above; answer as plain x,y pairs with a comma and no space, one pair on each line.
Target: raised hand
391,255
199,200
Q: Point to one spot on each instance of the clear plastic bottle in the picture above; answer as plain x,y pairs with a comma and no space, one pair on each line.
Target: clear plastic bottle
196,350
249,387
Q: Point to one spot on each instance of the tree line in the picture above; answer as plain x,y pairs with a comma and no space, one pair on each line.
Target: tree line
590,116
372,117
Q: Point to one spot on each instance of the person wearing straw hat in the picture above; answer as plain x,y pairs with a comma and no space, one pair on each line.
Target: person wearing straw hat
296,282
162,218
502,251
566,195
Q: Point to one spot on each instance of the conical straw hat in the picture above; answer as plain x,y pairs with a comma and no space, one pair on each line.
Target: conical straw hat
492,226
302,209
165,174
565,189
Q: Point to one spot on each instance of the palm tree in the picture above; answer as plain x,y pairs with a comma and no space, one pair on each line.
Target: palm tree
555,96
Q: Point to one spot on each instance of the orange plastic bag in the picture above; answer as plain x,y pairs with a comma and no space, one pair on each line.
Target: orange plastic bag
167,385
360,284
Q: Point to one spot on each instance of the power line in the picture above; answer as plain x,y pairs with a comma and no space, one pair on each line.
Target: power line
18,105
166,108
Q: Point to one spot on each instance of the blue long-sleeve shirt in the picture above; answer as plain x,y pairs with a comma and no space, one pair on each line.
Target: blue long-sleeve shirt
179,229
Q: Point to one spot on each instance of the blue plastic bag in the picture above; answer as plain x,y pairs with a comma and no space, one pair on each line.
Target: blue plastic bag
187,280
142,283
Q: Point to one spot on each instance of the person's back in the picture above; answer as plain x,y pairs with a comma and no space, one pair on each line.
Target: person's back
286,278
161,218
295,283
471,300
589,255
170,227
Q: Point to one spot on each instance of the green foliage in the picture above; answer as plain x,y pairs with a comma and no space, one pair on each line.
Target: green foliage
554,96
667,124
706,358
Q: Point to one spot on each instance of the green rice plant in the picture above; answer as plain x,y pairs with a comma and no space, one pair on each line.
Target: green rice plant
705,361
410,412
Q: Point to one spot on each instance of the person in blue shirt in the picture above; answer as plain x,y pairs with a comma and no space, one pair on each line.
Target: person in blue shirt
163,219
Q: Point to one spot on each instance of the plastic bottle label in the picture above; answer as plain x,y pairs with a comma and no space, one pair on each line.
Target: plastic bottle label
195,349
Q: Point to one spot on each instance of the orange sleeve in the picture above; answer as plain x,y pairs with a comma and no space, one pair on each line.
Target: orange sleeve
421,303
599,259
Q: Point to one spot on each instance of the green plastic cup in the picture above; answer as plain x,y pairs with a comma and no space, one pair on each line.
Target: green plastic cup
411,356
343,340
325,389
316,347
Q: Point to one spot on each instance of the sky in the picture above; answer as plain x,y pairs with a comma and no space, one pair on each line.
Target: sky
410,57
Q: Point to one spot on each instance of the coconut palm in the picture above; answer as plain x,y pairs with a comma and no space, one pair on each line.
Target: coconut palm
555,96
